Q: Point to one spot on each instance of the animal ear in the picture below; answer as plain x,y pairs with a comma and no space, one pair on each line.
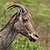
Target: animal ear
27,11
20,12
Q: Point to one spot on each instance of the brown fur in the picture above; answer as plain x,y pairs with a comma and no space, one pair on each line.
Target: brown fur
17,25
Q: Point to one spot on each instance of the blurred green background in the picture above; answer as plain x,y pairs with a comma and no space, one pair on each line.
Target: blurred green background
40,11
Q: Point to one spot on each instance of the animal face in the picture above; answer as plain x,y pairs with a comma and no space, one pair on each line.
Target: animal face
24,25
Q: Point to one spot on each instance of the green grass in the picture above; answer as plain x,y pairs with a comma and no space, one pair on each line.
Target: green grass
40,11
24,44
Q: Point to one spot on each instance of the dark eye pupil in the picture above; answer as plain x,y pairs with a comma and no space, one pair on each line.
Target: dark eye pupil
26,19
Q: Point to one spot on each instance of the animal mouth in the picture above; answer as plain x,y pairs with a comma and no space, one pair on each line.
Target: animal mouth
33,38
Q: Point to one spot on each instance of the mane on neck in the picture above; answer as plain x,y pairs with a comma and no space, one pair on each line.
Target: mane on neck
17,15
8,21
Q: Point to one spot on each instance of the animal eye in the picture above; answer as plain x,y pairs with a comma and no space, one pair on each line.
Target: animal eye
25,20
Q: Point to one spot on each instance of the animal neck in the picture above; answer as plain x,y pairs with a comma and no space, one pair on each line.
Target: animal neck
10,22
7,34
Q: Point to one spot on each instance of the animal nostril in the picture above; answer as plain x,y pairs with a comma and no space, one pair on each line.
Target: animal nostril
36,36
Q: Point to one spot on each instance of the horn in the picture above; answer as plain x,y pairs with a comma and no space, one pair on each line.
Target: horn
19,6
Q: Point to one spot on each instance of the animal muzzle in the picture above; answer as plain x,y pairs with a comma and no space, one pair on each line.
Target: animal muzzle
33,37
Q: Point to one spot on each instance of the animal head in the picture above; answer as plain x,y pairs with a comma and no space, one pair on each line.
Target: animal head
24,25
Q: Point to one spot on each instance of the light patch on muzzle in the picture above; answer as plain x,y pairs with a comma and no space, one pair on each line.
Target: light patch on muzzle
33,37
